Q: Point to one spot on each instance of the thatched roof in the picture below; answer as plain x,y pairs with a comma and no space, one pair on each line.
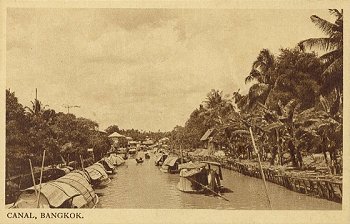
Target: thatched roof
116,135
207,134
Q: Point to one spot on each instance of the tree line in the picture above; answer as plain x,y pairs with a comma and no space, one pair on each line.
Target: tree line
30,131
294,105
65,137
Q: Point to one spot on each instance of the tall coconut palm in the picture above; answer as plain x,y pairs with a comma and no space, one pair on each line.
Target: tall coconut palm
262,72
333,45
262,67
216,107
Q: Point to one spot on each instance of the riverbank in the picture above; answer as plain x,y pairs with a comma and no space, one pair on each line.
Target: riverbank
313,183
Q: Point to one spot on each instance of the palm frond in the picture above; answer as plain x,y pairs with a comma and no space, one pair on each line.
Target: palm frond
258,93
258,64
331,56
336,13
322,43
336,66
253,75
30,110
248,79
325,104
327,27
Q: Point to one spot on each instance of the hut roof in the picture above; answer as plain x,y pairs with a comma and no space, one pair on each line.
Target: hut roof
148,142
108,161
207,134
160,156
170,161
72,185
96,171
116,134
113,158
191,165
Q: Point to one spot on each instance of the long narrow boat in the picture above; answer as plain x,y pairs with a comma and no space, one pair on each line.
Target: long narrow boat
171,165
69,191
139,160
21,182
116,160
200,177
99,177
108,166
160,159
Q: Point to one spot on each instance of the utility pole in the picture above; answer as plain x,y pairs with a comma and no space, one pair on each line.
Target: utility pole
70,106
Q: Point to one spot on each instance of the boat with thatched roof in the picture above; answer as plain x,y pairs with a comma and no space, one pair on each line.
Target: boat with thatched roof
70,191
200,177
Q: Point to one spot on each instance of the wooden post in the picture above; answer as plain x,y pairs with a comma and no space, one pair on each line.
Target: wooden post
182,159
261,170
33,178
41,177
279,162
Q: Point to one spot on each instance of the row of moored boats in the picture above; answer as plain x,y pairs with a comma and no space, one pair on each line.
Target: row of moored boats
76,189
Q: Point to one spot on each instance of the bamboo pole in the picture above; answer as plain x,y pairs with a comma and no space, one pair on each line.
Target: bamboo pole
31,170
41,177
206,187
261,170
182,159
82,162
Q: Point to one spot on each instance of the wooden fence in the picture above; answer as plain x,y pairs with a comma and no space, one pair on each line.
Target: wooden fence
314,186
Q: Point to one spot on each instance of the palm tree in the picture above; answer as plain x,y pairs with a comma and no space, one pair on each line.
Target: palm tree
333,45
261,68
262,72
216,107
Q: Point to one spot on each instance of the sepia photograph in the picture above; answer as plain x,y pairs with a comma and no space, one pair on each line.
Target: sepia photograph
218,109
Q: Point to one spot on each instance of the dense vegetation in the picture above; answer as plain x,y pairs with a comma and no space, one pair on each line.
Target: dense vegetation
30,131
294,105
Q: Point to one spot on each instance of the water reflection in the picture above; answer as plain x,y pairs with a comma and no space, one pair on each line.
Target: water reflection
145,186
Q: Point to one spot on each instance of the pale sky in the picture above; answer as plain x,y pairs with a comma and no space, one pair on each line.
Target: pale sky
141,68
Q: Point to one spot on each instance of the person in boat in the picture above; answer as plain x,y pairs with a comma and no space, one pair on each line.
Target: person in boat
214,181
214,176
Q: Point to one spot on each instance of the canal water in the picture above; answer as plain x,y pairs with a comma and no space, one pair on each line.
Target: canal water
142,186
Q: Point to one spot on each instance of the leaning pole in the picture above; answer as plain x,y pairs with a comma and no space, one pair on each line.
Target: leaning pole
261,169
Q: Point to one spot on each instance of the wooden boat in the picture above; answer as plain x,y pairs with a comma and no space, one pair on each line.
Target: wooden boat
125,157
108,166
116,160
139,160
160,159
99,177
69,191
171,165
22,182
132,151
200,177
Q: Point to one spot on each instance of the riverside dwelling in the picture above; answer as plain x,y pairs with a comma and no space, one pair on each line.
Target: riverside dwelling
208,139
116,137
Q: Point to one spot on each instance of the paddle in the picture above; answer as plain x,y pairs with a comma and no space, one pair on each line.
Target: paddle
206,187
